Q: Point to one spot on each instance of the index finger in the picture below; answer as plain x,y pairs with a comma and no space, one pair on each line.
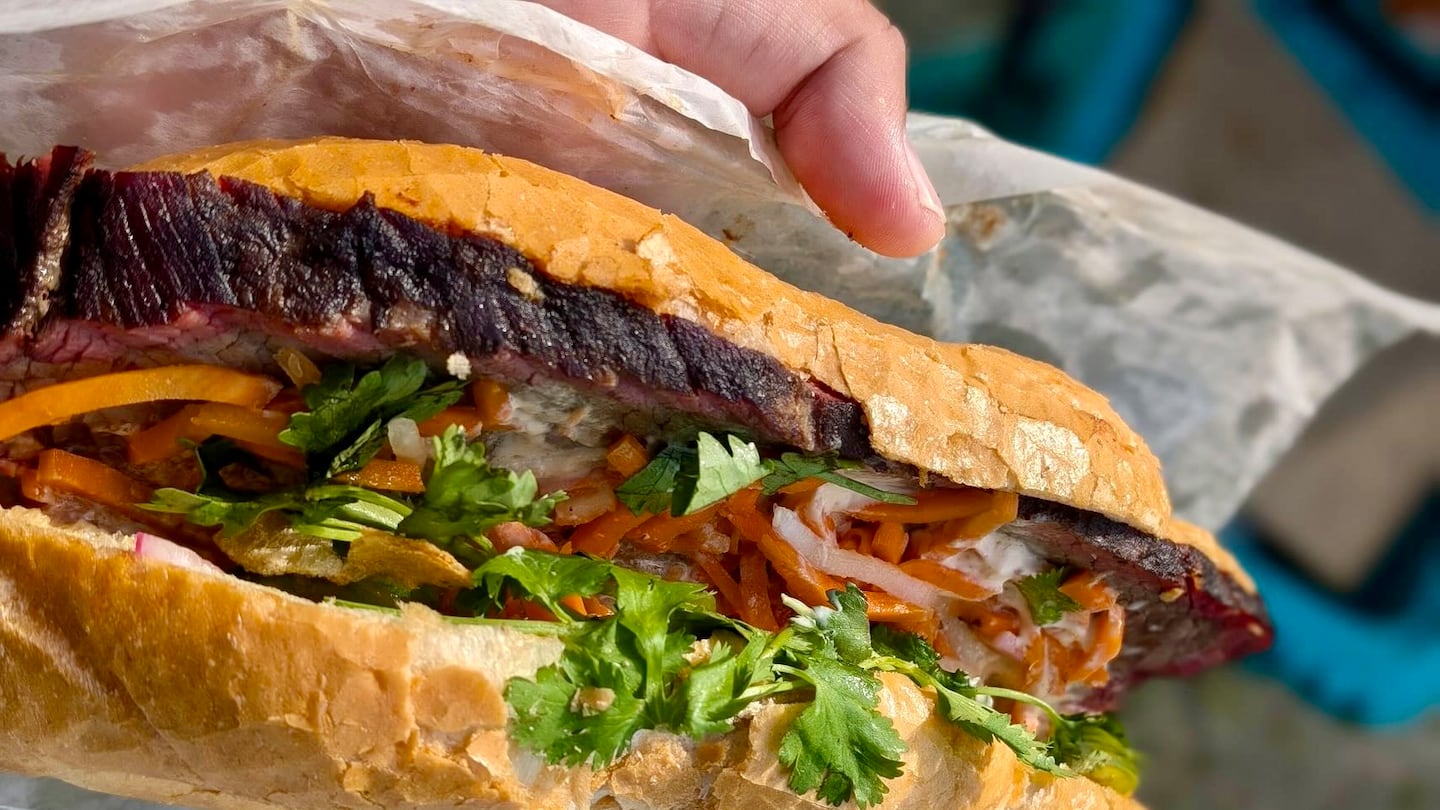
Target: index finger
831,73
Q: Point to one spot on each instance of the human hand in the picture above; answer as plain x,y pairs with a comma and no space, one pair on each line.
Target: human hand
832,75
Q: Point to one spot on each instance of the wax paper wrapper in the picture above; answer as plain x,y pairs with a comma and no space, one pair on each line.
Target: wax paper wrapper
1214,341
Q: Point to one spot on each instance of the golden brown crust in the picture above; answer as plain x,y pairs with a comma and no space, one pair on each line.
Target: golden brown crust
975,414
1188,534
168,684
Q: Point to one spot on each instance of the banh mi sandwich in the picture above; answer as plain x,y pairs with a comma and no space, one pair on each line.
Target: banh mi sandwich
369,474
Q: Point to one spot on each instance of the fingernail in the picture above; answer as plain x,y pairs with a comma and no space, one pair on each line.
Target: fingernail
924,191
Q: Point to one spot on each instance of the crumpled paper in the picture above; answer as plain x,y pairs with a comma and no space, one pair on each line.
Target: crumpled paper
1215,342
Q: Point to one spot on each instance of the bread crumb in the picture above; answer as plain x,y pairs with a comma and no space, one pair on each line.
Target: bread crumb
656,249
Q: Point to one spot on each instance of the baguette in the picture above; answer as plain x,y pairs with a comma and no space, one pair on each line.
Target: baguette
177,683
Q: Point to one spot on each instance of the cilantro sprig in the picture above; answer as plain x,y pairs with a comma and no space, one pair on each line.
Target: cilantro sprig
645,667
343,426
333,512
638,669
464,497
1048,604
685,479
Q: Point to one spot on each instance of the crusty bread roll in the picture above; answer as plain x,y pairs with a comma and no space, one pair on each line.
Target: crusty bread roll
144,679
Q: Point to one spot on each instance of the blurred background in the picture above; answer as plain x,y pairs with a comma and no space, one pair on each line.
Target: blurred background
1317,121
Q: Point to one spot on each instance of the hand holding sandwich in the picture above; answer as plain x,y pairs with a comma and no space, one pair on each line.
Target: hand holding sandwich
831,73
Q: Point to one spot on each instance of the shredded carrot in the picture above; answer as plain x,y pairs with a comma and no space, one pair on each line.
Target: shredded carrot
801,578
1043,657
1107,637
1004,506
392,476
162,439
627,456
660,531
882,607
466,418
101,483
301,370
802,486
889,543
575,604
948,578
30,487
857,538
689,543
584,504
931,506
244,424
754,604
54,404
989,621
601,537
921,539
715,572
492,401
1089,590
255,430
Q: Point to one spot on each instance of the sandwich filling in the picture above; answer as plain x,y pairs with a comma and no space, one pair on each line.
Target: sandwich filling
489,502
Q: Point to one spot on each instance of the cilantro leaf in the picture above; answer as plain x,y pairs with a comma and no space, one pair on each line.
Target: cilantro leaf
619,674
546,578
726,683
343,427
1096,746
987,723
717,474
465,497
685,479
340,405
333,512
1042,593
842,629
645,606
957,697
232,516
840,745
570,723
892,642
792,468
649,491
